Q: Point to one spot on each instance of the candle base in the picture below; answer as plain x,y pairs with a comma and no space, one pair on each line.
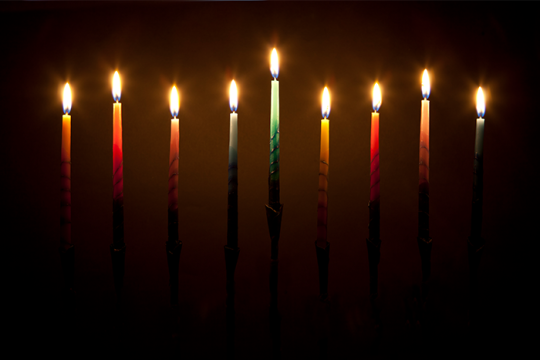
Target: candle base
118,256
323,258
173,249
475,246
273,217
274,316
67,258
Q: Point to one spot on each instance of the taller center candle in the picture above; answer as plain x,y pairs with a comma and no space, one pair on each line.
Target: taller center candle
232,211
423,167
118,167
273,177
322,211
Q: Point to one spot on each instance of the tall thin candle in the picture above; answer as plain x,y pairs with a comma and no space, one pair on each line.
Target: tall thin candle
118,167
423,185
374,192
478,175
232,211
273,177
65,174
173,167
322,212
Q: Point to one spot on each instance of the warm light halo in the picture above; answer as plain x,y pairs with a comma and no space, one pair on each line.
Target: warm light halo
274,64
377,98
233,97
426,87
480,103
67,99
174,102
325,108
116,87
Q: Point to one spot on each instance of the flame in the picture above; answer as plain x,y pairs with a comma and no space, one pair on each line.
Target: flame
233,97
480,103
426,88
67,99
175,102
377,99
274,64
116,87
325,109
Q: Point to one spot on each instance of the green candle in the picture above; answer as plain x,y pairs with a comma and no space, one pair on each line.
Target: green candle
273,177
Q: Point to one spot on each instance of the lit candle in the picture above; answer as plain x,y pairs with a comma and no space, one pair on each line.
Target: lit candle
173,167
118,167
232,211
423,186
322,212
273,177
65,174
478,174
374,192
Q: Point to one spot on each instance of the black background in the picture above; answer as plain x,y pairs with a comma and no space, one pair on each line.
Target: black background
201,47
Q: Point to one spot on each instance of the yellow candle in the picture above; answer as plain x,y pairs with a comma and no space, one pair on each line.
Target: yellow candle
322,213
65,173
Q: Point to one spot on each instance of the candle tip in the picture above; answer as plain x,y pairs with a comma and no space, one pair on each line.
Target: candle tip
325,108
233,97
480,103
426,86
377,99
274,64
116,88
67,99
174,103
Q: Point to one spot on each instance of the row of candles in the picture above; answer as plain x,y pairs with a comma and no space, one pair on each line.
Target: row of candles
274,168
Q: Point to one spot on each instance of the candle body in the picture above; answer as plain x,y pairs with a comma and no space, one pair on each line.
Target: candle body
423,186
118,178
173,181
65,184
478,179
374,192
322,211
232,208
273,177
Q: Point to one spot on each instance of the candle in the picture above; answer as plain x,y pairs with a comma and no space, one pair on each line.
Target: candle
478,174
118,167
374,192
65,174
273,177
173,168
423,186
322,211
232,210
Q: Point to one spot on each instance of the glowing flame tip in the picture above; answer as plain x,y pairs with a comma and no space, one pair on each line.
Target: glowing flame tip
233,97
377,99
426,87
116,88
325,108
175,102
67,99
480,103
274,64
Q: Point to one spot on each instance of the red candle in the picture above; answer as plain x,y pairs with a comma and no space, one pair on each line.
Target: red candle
173,167
65,173
322,210
118,167
374,192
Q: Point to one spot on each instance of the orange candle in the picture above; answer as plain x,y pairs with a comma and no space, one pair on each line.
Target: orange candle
423,185
173,166
118,167
322,212
65,173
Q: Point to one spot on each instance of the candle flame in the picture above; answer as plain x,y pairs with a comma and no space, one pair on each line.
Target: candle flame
233,97
480,103
274,64
325,109
426,88
116,87
175,102
377,98
67,99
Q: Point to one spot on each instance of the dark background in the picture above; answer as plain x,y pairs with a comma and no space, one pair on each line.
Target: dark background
201,47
